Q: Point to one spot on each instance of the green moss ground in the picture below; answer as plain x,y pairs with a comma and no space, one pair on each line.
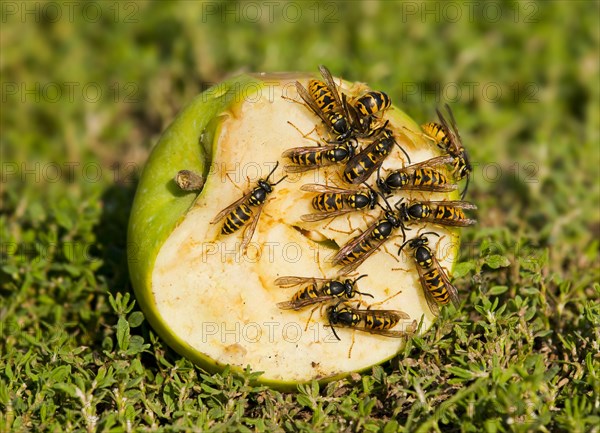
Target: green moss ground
520,354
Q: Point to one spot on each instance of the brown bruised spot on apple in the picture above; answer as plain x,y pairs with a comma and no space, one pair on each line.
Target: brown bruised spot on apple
218,306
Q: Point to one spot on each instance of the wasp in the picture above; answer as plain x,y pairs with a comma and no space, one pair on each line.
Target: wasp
312,157
362,246
332,202
448,213
323,99
434,281
373,321
367,107
317,291
246,210
421,176
445,135
363,164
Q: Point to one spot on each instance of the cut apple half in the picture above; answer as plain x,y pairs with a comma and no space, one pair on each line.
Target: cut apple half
216,304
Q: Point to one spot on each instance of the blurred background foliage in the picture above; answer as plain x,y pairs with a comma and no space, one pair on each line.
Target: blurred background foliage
87,89
98,83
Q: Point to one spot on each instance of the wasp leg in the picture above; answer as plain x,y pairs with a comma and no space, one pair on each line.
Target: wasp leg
394,256
351,345
420,134
341,231
234,184
310,317
307,135
385,300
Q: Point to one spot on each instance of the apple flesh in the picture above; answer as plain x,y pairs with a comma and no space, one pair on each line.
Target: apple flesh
216,304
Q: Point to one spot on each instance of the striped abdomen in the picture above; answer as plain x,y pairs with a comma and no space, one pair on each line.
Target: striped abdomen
322,96
379,322
438,134
236,219
428,177
367,161
372,103
328,202
446,213
435,285
308,159
309,292
382,231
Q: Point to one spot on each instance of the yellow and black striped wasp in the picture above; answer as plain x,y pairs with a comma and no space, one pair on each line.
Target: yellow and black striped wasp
365,109
331,201
445,135
369,159
447,213
317,291
434,280
323,99
421,176
377,322
312,157
362,246
246,210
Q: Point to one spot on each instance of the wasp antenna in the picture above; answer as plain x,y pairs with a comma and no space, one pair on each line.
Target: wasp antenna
333,329
403,245
273,171
403,151
403,228
279,181
369,186
387,203
364,294
358,278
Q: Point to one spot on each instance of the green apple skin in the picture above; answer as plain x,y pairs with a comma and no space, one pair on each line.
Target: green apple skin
159,205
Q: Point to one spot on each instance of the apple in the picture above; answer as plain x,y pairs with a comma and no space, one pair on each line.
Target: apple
214,302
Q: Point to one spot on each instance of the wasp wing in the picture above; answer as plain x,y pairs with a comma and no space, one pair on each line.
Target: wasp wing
396,315
310,102
453,124
299,304
386,332
320,216
333,88
452,290
324,189
453,203
291,281
356,263
463,222
450,130
343,252
230,208
249,232
431,302
432,162
355,162
447,187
